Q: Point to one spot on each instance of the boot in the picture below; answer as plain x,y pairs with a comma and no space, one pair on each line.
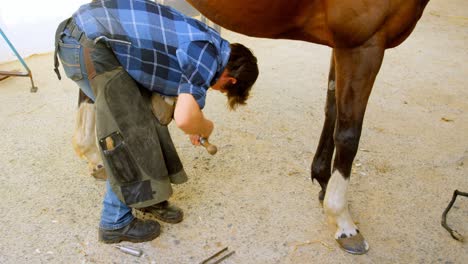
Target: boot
165,212
137,231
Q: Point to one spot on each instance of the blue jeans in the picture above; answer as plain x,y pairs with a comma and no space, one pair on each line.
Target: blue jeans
115,214
71,55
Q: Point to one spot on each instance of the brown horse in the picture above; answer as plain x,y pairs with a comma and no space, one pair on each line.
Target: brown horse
359,32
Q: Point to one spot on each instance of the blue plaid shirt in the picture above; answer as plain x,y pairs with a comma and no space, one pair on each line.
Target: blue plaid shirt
162,49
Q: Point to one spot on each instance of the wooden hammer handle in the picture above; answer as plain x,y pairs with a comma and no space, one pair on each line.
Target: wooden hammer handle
212,149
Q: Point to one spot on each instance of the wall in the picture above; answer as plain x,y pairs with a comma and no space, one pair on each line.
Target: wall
30,25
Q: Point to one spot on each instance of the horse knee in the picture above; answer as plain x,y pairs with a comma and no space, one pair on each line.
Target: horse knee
347,140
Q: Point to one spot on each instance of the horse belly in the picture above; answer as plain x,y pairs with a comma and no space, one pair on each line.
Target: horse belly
260,18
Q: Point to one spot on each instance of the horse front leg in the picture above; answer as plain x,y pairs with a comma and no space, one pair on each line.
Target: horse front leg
321,165
356,70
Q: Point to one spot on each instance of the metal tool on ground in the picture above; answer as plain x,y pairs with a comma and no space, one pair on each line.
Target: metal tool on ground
453,233
218,256
130,250
212,149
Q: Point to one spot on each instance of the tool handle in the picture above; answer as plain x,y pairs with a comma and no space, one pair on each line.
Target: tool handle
212,149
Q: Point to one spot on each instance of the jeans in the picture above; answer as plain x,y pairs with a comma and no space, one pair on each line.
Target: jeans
71,55
115,214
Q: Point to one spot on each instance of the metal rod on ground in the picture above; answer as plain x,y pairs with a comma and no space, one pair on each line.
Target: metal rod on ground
453,233
224,257
217,254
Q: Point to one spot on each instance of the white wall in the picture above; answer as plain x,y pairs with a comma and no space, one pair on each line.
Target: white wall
30,24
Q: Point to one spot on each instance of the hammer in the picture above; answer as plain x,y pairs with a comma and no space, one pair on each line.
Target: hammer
212,149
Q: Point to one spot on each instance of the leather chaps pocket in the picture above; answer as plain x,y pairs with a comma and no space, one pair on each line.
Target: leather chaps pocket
119,158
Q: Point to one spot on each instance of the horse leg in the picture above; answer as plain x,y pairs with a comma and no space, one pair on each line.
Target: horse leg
356,70
84,138
321,165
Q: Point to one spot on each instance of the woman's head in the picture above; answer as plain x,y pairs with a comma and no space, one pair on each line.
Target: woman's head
242,66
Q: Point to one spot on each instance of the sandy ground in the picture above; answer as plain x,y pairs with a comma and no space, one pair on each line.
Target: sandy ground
255,195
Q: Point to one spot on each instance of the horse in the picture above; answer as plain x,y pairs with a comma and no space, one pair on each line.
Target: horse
359,32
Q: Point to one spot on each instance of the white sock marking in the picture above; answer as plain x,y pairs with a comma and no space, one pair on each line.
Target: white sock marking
336,206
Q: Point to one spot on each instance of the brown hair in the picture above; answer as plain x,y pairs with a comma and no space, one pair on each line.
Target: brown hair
242,65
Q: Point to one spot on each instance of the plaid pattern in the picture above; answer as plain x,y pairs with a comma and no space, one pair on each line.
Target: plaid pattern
162,49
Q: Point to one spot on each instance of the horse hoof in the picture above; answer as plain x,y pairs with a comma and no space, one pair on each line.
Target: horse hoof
356,245
321,196
99,173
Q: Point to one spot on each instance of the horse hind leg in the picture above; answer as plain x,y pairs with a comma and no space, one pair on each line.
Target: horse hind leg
321,165
84,138
356,70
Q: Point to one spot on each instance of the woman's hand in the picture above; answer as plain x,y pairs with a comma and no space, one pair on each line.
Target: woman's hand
195,140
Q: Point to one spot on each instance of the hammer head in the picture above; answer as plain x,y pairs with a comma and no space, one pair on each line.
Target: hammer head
212,149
